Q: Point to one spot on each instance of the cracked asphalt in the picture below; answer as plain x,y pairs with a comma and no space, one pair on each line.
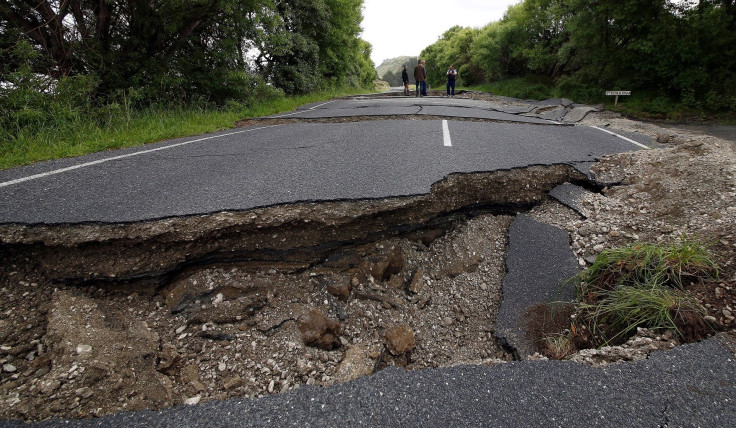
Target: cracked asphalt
258,166
239,169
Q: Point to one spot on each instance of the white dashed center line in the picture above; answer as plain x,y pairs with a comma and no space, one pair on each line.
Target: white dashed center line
446,134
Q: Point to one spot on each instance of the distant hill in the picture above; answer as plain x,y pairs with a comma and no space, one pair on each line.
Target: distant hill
390,69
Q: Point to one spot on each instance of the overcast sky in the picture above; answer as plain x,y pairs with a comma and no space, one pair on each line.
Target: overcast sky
397,28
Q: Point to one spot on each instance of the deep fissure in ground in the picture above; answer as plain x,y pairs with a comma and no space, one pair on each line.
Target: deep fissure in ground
153,314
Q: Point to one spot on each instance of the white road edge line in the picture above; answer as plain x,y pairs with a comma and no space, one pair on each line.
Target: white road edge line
621,136
302,111
446,134
97,162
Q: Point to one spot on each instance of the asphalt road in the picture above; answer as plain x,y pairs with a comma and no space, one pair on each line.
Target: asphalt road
244,168
238,169
690,386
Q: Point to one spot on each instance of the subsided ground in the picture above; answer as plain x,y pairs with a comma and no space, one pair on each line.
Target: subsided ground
319,294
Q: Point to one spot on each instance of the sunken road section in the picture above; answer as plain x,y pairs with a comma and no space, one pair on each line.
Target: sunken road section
298,234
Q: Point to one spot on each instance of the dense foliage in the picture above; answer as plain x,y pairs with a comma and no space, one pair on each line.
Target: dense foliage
63,57
672,51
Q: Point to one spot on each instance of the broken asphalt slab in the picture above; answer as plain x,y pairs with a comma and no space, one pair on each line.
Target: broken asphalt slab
538,262
570,195
691,385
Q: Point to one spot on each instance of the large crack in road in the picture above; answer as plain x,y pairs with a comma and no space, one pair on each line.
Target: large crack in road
265,300
105,317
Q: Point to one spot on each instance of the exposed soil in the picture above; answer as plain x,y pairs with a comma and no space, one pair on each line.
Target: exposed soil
173,322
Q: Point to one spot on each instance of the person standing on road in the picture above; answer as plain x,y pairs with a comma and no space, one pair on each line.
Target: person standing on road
420,77
405,79
451,76
424,83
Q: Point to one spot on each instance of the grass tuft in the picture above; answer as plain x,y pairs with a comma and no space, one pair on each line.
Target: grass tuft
642,285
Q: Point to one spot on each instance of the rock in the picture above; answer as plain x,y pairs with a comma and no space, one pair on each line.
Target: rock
400,339
49,386
359,360
167,357
9,368
709,319
663,138
83,392
319,331
190,374
233,383
193,400
84,349
391,265
397,282
340,290
216,335
462,263
221,366
417,282
219,298
230,311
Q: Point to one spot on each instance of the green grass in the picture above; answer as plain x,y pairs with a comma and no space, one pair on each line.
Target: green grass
639,105
625,308
642,285
521,87
663,265
127,128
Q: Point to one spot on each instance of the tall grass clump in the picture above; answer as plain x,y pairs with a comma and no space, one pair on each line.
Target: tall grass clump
643,285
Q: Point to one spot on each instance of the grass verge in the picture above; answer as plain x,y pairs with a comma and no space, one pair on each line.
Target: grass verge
128,128
645,106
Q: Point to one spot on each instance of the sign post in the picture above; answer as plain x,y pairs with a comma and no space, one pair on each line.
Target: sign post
617,93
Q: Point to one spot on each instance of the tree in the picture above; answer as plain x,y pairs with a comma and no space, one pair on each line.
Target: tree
191,49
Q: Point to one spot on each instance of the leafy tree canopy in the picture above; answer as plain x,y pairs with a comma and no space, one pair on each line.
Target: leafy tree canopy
682,51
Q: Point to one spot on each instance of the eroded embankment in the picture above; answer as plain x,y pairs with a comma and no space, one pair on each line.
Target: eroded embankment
100,318
299,234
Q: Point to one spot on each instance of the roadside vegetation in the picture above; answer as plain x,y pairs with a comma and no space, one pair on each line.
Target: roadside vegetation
78,77
641,285
678,58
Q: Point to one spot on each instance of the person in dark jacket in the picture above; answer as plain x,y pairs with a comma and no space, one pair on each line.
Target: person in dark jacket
420,76
451,76
405,79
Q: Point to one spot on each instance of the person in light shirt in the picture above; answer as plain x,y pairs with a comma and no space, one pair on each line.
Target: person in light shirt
451,76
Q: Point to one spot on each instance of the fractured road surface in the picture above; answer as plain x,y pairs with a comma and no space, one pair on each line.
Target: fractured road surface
240,169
